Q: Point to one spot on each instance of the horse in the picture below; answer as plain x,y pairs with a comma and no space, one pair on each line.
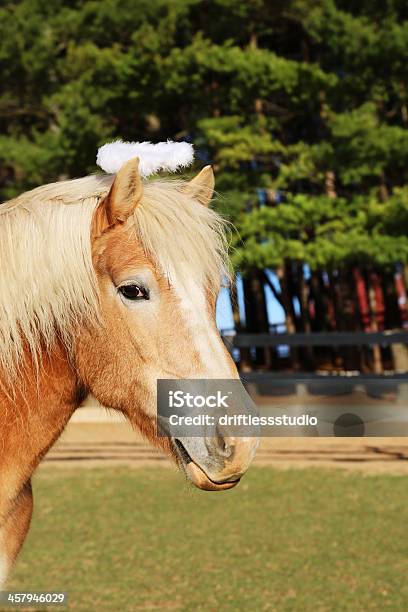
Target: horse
108,283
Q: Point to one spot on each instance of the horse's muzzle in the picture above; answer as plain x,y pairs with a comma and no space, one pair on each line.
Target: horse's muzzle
215,463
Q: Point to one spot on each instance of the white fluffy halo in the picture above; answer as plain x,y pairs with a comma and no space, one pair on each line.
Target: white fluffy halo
167,156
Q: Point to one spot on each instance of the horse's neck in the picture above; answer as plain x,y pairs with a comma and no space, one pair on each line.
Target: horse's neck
33,412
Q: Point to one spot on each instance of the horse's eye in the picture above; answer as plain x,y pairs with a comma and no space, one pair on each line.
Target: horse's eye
134,292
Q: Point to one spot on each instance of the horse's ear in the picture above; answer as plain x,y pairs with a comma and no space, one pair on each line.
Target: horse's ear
201,187
124,195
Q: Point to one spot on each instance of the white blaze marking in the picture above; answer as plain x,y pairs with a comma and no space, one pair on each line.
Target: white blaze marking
205,337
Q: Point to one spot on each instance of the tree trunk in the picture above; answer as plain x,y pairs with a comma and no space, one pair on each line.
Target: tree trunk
256,313
244,362
362,297
348,319
397,293
304,295
289,314
377,361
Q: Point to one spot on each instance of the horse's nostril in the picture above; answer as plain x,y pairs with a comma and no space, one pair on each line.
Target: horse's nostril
224,447
223,444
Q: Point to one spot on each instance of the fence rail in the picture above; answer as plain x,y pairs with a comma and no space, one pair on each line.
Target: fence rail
385,338
330,377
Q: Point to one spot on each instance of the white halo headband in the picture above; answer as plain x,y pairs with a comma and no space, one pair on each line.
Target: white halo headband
169,156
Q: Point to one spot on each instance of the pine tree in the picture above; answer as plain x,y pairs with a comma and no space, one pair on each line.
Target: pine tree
302,106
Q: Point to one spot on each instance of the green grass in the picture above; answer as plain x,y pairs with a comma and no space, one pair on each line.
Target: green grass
124,540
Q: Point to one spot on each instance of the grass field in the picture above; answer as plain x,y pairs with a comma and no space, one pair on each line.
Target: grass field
123,540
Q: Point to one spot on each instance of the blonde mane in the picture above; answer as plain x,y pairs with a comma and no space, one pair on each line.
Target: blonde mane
47,281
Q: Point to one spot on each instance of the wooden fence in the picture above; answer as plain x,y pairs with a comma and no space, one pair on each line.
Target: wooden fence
393,338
